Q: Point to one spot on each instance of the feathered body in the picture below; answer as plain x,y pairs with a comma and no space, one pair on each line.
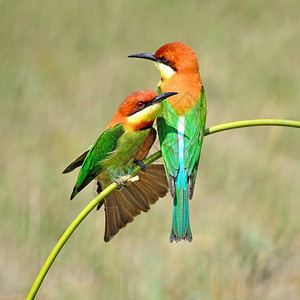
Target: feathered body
180,124
127,139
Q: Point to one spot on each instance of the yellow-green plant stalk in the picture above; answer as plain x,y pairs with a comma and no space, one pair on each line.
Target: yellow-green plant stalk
112,186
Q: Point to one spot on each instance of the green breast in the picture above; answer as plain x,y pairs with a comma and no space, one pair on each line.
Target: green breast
119,162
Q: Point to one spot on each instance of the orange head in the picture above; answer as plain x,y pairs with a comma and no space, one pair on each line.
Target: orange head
139,110
177,55
179,69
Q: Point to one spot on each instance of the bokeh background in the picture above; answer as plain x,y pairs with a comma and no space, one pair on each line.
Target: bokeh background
63,72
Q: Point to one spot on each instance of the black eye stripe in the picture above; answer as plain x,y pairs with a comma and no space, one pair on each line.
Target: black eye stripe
167,62
164,60
140,106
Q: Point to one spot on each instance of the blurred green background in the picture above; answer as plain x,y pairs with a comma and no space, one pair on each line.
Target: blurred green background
63,72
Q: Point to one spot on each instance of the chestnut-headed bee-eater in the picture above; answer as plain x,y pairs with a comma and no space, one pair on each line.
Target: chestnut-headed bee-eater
125,141
180,124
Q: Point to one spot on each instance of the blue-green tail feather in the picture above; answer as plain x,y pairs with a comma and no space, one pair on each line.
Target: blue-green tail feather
181,229
181,138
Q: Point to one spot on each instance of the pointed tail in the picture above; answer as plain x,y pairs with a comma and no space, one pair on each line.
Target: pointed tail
181,229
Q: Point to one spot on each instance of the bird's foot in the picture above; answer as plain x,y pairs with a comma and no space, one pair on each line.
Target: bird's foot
141,165
125,179
118,182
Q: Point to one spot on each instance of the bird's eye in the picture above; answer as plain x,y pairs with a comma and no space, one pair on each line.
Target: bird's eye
140,104
165,60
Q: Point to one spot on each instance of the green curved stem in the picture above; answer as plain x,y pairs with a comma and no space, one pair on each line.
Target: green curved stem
249,123
112,186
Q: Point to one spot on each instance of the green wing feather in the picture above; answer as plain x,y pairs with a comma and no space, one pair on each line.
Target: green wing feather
181,159
167,128
167,123
91,167
194,130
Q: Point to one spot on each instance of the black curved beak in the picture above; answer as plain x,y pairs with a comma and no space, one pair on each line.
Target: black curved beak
162,96
149,56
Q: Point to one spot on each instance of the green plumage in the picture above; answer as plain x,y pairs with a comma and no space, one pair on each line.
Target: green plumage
181,153
112,155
